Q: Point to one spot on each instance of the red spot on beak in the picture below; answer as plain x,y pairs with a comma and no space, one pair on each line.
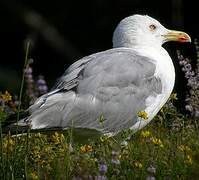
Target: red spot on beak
183,38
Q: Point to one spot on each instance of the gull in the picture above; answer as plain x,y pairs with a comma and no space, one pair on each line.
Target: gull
136,75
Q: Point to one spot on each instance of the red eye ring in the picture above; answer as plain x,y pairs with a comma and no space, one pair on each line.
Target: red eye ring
152,27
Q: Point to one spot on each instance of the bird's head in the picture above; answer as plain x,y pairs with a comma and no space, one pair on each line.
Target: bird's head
144,30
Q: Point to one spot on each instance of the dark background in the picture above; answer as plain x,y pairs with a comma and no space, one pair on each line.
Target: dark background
63,31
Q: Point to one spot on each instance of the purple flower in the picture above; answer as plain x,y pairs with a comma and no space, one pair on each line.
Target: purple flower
197,113
102,168
28,71
101,177
151,169
115,161
76,178
189,108
192,77
41,86
114,153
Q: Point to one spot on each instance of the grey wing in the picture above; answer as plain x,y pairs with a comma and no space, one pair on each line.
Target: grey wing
113,84
67,82
71,76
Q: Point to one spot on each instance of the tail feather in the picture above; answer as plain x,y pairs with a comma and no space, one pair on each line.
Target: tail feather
11,123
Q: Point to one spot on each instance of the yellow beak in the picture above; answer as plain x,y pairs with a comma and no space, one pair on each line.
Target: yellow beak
177,36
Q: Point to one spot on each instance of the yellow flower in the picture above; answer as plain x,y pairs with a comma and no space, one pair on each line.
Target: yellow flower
57,138
157,141
184,148
62,137
101,119
47,149
143,115
6,97
173,96
9,144
34,175
189,159
162,110
138,164
104,138
145,134
86,148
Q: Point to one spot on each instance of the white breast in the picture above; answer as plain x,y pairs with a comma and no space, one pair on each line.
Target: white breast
166,72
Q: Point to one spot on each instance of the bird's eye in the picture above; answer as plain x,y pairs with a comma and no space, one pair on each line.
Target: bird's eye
152,27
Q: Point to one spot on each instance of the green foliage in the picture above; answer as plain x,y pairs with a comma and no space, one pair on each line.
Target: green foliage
170,145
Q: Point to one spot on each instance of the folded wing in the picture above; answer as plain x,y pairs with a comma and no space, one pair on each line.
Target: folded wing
113,84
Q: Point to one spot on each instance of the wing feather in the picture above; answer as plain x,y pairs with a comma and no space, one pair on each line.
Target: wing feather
113,83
